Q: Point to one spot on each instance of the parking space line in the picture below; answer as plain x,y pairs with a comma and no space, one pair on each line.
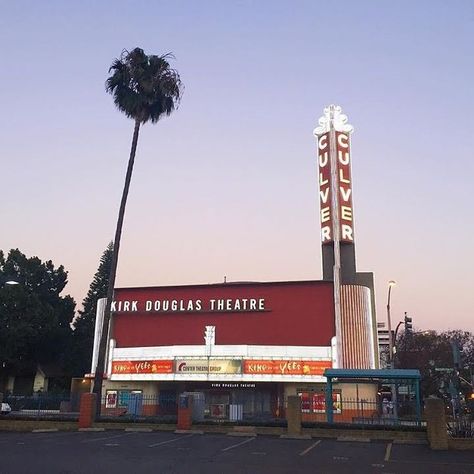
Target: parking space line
433,463
169,441
53,435
39,436
307,450
8,440
388,452
238,444
106,437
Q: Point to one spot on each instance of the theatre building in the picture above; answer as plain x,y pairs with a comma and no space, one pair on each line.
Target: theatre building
242,348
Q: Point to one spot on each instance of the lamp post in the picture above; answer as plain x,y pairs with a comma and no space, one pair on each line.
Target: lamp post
389,325
391,283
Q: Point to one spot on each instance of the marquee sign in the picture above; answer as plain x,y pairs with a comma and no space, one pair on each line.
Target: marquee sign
343,186
212,305
325,191
243,313
334,175
232,385
221,366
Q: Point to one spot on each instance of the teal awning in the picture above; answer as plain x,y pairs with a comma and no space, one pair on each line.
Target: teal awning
390,374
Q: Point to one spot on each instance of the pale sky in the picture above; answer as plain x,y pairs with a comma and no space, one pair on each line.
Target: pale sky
227,186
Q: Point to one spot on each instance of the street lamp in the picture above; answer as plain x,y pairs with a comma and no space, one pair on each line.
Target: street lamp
389,324
7,280
390,348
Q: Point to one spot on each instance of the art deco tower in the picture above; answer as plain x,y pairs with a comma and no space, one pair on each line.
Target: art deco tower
353,292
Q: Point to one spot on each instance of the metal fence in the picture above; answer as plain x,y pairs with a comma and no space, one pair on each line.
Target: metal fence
461,426
362,412
41,405
240,408
245,408
138,407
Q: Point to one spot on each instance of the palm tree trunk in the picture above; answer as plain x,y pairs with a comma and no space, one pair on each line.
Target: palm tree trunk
99,371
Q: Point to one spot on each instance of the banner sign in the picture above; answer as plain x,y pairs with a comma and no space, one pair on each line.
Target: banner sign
142,367
286,367
221,366
211,366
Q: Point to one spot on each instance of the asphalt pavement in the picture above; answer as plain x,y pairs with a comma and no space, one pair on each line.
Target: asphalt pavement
161,452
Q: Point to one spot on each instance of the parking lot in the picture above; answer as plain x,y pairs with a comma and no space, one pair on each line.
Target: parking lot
161,452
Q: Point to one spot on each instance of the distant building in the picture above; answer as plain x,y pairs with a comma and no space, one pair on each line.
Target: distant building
383,344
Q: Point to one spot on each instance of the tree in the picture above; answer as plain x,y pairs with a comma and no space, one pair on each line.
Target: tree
432,354
84,324
146,89
34,318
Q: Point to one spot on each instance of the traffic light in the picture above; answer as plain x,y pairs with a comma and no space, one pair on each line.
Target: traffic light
408,323
470,402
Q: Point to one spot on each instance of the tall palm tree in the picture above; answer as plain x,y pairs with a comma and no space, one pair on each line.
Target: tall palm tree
146,89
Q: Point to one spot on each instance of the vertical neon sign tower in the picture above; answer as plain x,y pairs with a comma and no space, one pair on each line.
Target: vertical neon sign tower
353,292
335,195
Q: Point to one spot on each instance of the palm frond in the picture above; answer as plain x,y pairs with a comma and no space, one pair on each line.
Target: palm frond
144,87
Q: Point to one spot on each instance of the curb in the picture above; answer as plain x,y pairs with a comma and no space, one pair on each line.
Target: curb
139,430
302,436
199,432
353,438
241,434
410,441
91,429
45,430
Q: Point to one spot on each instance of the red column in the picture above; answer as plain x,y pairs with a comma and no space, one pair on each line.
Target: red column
87,410
185,412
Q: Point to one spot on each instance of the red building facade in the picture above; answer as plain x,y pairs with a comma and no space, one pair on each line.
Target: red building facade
244,345
278,314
